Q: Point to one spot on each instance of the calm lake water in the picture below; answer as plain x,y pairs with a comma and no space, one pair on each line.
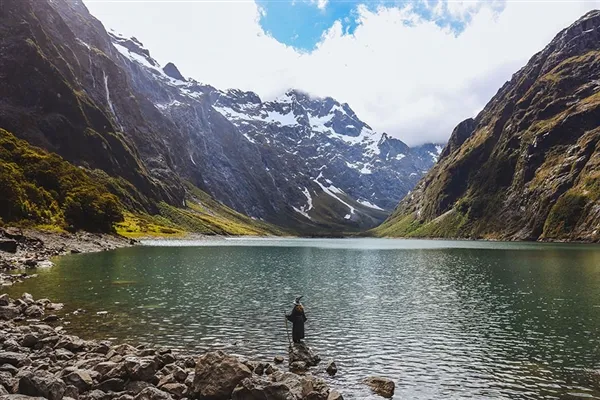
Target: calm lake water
443,319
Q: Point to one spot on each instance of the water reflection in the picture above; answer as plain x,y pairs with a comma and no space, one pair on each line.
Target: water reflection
443,319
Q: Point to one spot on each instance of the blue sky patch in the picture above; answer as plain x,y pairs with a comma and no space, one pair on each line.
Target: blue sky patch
301,23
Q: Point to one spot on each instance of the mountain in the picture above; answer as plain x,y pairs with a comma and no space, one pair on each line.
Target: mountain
99,100
528,166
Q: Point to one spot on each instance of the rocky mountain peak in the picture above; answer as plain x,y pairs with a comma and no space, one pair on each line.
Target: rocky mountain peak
461,133
171,70
132,48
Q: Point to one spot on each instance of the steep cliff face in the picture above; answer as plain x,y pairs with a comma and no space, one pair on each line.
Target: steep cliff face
101,101
528,166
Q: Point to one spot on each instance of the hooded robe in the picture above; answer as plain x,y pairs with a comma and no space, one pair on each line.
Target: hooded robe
297,318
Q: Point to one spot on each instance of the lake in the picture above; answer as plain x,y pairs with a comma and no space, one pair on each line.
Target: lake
443,319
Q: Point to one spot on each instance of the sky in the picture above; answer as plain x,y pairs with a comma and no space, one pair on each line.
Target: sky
413,69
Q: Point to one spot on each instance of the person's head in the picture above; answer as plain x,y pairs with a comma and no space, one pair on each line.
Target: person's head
299,307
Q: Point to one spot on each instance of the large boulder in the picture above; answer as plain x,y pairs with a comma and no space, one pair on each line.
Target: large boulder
178,390
111,385
34,311
80,379
12,358
382,386
257,388
335,395
42,384
301,352
140,369
9,312
217,374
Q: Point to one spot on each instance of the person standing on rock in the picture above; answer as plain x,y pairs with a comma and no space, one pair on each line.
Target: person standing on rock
297,318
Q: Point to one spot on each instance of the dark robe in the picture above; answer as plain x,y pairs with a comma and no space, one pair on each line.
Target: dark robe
297,318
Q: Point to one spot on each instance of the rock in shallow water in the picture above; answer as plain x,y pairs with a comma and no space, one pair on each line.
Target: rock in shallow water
301,352
382,386
332,368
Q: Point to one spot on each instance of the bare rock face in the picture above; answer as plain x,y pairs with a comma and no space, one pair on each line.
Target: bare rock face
217,374
382,386
526,167
171,70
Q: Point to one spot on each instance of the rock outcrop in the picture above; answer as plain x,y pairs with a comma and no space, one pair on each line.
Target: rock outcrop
526,168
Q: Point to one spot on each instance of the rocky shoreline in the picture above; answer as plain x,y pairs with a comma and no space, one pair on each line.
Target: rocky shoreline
23,249
38,359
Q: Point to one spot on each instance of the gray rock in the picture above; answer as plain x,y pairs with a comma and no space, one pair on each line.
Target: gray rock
178,390
257,388
97,395
29,340
382,386
9,368
27,298
6,379
217,374
20,397
301,352
104,367
152,393
41,384
140,369
12,358
278,359
332,368
9,312
4,300
136,387
298,366
111,385
72,392
80,379
34,311
335,395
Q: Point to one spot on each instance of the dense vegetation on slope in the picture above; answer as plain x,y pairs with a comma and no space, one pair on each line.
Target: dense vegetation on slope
43,189
528,166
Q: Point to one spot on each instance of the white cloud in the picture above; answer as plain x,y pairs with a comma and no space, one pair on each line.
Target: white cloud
415,82
321,4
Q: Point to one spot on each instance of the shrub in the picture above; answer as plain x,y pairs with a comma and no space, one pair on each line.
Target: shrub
39,187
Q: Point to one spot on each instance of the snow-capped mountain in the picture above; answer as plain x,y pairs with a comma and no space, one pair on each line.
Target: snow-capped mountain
297,161
319,164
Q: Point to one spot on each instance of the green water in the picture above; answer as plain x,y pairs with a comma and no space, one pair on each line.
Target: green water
443,319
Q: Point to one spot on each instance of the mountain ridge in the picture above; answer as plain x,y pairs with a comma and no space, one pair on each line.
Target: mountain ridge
526,168
306,164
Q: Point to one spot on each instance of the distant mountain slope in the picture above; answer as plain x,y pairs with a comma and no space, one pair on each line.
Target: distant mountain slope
101,101
528,166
